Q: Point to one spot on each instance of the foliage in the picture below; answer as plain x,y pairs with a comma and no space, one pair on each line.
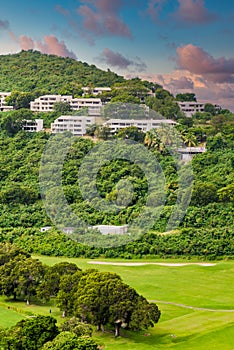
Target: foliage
186,97
79,328
30,334
102,298
20,277
70,341
131,133
49,287
19,99
29,71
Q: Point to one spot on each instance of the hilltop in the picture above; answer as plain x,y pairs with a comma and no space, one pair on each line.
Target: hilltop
31,70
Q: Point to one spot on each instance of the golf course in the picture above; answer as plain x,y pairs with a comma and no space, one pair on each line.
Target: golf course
195,299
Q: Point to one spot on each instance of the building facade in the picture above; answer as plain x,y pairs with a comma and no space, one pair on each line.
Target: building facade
46,103
3,105
77,125
190,108
186,154
33,125
142,124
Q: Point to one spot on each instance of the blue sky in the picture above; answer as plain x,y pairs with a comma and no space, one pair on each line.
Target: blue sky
185,45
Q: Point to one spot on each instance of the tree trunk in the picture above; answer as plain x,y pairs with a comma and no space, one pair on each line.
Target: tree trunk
117,328
99,327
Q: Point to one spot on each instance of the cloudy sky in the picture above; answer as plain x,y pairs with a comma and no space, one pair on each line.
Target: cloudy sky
185,45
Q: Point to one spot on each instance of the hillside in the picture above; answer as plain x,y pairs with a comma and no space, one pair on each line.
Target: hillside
209,217
32,70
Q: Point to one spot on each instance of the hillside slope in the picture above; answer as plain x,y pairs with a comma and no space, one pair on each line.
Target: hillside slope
32,70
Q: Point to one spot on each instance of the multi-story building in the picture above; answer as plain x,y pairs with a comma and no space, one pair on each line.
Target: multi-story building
33,125
142,124
94,105
77,125
190,108
46,103
3,105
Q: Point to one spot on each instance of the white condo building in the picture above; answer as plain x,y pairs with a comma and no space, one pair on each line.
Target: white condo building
142,124
46,103
77,125
94,105
190,108
33,125
3,105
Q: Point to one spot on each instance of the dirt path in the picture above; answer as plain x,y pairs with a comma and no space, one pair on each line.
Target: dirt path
189,307
148,263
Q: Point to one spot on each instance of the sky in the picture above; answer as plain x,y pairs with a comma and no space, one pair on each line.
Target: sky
184,45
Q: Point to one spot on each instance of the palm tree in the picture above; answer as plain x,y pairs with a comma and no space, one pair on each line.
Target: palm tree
189,138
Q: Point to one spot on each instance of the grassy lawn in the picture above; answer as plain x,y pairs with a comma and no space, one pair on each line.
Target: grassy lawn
199,286
9,317
179,328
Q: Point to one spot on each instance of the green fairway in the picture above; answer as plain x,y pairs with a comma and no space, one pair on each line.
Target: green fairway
181,327
9,317
199,286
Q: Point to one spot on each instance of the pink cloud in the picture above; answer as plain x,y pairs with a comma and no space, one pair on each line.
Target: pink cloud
102,17
62,10
194,11
115,59
49,45
52,45
182,83
185,81
154,8
197,61
26,43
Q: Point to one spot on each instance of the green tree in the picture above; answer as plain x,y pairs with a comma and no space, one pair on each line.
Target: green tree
79,328
31,333
131,133
50,284
66,296
20,277
103,132
62,107
226,194
209,108
102,298
10,252
186,97
204,193
19,99
70,341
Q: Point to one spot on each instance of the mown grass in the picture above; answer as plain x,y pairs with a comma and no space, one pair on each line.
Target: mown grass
179,328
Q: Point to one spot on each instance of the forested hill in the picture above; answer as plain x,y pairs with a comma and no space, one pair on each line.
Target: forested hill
32,70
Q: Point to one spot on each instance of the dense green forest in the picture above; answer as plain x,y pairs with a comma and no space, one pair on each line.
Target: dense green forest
206,231
29,71
209,217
